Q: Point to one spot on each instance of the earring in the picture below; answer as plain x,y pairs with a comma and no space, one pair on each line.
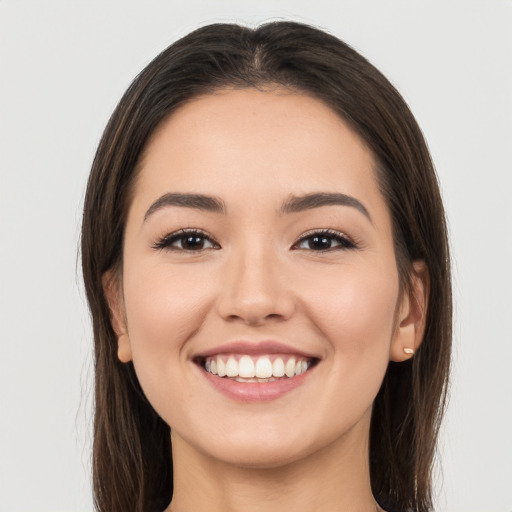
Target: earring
409,351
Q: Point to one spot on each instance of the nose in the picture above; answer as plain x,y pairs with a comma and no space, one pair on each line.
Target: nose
255,290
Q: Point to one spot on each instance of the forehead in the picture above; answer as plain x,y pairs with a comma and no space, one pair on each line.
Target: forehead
259,144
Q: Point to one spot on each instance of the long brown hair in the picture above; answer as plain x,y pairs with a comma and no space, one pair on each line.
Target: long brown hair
132,463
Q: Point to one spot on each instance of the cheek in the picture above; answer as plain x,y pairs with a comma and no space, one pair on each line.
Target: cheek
356,319
164,307
355,311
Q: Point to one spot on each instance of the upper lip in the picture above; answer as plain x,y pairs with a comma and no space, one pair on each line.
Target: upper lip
255,349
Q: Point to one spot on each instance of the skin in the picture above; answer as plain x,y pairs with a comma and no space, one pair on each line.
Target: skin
307,450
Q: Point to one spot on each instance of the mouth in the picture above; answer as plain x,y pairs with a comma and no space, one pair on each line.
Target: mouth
248,368
255,371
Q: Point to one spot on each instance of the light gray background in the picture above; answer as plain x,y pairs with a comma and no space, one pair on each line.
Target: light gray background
64,65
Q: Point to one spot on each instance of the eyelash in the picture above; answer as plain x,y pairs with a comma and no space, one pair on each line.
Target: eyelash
345,243
343,240
167,241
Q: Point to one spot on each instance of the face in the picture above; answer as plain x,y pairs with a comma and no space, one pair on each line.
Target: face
259,282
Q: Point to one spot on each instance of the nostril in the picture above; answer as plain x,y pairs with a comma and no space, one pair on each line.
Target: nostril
255,299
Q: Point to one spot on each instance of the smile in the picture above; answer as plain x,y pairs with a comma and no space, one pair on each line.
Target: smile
263,368
255,371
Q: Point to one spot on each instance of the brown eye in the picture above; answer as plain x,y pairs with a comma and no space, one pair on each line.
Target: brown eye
185,240
192,243
324,241
319,242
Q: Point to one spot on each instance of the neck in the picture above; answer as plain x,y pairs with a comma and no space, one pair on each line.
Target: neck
336,477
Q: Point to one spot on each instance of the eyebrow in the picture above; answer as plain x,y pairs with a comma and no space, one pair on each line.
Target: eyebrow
294,204
316,200
197,201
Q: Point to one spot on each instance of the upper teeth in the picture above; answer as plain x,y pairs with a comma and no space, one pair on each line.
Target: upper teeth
262,367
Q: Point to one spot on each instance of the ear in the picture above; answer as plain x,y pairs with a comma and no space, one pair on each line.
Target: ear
114,298
412,314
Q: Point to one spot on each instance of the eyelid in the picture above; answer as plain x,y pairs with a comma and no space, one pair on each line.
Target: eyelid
346,242
165,242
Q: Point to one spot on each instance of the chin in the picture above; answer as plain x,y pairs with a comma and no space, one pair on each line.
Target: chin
269,445
256,456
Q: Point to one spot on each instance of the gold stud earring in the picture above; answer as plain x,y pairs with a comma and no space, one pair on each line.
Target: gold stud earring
409,351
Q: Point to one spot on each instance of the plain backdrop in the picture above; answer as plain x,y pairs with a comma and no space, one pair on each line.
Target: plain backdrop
64,66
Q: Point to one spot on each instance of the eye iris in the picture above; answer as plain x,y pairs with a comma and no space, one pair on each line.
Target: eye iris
193,242
319,242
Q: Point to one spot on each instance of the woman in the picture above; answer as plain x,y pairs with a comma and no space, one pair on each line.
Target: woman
265,258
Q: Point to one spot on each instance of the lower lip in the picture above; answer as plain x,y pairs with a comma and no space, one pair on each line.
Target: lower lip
255,391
